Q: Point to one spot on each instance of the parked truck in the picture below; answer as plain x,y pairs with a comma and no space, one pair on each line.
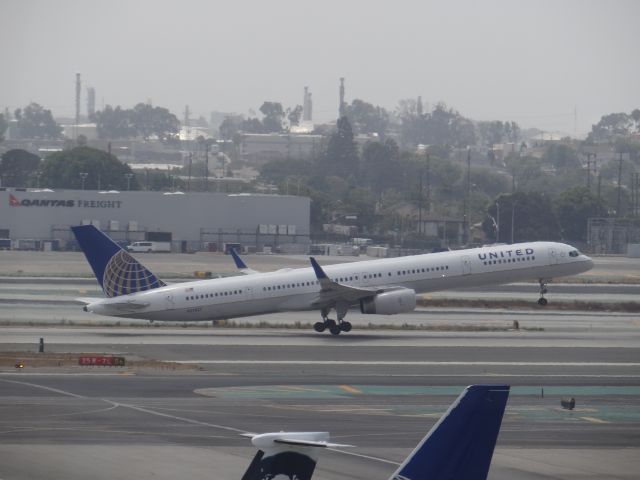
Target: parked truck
146,246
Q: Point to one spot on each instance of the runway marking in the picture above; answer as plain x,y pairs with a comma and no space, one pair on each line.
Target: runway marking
175,417
594,420
360,455
348,389
409,363
34,385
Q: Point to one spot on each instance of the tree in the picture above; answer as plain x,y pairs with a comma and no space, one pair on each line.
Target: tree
114,123
229,126
442,126
367,118
380,167
294,115
104,171
148,120
341,157
273,117
37,122
615,125
533,215
563,157
573,209
3,127
17,166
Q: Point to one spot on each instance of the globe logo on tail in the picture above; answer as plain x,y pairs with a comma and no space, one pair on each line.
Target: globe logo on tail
124,275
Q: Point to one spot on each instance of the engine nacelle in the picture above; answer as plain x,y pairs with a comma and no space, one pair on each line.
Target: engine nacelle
390,303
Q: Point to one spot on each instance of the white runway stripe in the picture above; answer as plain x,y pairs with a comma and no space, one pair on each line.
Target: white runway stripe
411,363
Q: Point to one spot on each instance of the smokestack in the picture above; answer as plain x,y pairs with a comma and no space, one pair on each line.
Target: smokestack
91,102
341,106
310,102
306,105
78,89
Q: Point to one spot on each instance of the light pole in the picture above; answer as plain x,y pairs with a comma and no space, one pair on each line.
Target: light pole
128,176
83,176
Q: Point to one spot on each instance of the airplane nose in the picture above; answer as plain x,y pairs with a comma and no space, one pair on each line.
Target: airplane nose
589,262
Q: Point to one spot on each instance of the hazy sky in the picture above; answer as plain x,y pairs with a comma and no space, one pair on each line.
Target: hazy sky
528,61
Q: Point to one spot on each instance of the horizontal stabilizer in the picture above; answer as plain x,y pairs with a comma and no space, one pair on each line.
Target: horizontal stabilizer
87,300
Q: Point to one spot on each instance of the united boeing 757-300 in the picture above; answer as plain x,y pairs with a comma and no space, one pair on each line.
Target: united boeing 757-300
379,287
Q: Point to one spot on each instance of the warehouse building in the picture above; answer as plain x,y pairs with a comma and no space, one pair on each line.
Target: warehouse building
40,219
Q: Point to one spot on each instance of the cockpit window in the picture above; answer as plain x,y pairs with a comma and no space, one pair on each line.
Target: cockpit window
574,253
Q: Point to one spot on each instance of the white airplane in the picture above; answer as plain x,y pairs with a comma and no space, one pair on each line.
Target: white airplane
380,287
459,447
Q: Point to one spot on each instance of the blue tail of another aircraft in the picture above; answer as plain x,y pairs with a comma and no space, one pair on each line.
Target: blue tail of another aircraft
460,445
117,272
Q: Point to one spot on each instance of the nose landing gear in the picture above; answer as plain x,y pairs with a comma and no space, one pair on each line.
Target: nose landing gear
543,290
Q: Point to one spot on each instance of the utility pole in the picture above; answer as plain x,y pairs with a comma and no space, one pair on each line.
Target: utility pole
189,176
428,184
206,166
619,202
513,218
420,205
589,155
467,199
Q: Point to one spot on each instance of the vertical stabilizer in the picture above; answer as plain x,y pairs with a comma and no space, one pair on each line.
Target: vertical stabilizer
117,272
460,445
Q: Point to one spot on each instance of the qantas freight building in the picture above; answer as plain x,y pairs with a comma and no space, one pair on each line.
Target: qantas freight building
40,219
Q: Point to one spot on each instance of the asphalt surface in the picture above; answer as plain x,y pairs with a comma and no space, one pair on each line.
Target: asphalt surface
380,390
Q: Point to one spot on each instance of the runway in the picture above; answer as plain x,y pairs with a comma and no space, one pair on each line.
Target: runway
378,389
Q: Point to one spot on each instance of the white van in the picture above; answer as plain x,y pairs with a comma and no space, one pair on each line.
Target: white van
149,247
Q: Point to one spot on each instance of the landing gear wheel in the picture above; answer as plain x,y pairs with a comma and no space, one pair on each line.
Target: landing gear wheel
335,329
329,323
543,290
345,326
319,327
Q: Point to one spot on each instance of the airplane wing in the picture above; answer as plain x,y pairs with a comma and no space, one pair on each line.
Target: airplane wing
240,264
332,292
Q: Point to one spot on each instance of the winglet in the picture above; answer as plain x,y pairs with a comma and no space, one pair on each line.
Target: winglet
240,263
460,445
236,258
288,454
318,269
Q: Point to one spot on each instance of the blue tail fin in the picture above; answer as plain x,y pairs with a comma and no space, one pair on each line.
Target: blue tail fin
460,445
117,272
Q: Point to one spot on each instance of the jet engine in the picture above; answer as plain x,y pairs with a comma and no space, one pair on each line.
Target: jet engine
389,303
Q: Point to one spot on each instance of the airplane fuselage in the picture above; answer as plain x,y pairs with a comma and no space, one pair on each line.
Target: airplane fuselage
298,289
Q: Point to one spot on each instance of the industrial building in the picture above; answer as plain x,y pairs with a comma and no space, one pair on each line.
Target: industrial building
40,219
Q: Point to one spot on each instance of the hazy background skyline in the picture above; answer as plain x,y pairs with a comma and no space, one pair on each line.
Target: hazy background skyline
531,62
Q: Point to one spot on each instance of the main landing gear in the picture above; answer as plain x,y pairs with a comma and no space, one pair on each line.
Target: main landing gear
334,327
543,290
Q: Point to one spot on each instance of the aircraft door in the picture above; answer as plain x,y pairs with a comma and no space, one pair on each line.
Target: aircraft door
365,278
466,265
553,256
168,302
248,293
